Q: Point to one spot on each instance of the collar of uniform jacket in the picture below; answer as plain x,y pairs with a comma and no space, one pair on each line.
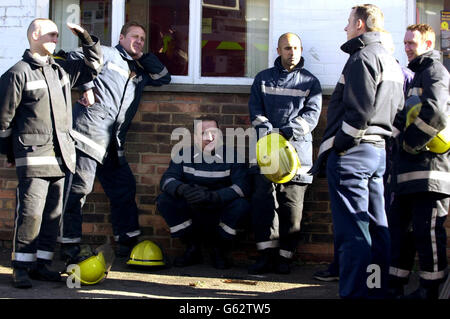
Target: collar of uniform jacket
278,65
355,44
123,53
422,61
28,57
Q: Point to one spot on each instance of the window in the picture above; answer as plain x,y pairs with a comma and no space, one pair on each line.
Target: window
437,14
93,15
206,41
167,24
200,41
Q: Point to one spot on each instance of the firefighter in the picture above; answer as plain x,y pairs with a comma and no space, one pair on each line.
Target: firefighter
204,196
101,121
421,177
360,115
286,99
35,124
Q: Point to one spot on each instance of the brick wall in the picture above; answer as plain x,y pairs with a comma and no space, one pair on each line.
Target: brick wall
148,152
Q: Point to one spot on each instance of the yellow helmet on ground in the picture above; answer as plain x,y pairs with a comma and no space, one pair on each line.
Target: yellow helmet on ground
277,158
91,270
439,144
146,253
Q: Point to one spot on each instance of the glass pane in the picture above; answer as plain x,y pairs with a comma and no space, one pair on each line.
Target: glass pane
436,14
94,16
167,24
235,37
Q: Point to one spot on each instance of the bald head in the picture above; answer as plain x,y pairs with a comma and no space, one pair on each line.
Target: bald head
290,50
42,35
288,36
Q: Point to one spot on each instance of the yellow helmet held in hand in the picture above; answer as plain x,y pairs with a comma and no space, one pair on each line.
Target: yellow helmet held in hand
146,253
277,158
439,144
91,270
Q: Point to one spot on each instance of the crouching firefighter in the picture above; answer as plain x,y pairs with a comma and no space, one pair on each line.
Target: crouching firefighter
203,196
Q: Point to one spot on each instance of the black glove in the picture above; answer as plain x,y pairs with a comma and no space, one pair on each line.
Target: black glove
196,195
203,197
214,198
183,190
84,37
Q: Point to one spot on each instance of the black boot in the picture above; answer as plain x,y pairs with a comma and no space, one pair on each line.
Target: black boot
264,263
191,256
428,293
282,265
124,248
21,279
41,272
69,253
395,290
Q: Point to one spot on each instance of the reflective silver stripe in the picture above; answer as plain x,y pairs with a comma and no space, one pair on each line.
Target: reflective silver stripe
34,85
372,138
42,254
341,79
286,253
23,257
237,189
64,80
130,234
193,171
352,131
66,240
326,145
433,239
157,76
432,275
86,140
397,272
424,127
283,91
406,177
441,209
133,233
260,119
5,133
118,69
267,244
395,131
16,221
38,160
167,181
121,153
179,227
303,124
228,229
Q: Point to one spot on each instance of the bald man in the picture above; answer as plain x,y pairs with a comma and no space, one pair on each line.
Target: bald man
35,124
286,99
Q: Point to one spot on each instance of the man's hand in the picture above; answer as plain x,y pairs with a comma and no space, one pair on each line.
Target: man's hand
81,33
75,28
138,55
88,98
10,161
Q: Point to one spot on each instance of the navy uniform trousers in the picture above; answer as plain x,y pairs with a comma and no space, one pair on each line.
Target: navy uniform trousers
416,222
356,190
277,211
119,185
37,217
202,222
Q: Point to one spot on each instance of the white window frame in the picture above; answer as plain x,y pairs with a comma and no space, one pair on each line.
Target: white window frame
194,49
